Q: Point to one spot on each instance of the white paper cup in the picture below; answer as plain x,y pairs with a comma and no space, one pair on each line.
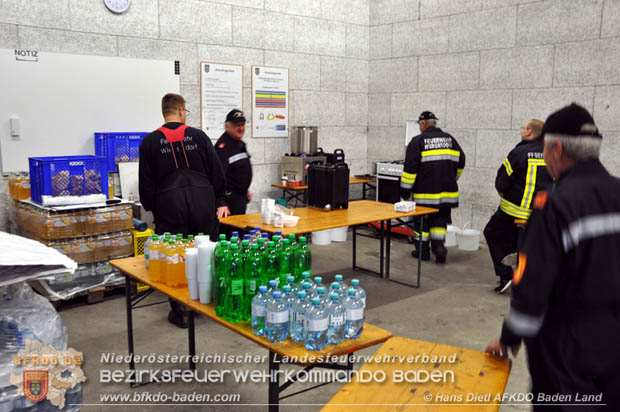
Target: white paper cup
204,292
192,285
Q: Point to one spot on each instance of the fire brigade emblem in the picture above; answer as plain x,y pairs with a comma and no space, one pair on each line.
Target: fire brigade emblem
35,385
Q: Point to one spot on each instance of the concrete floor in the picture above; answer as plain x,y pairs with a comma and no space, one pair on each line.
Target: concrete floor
455,305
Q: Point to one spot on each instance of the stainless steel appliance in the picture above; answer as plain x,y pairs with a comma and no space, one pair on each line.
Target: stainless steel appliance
304,140
388,180
294,167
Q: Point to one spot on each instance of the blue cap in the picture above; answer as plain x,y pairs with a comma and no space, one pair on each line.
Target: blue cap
273,283
235,234
277,294
246,237
316,301
257,228
286,288
279,232
252,232
351,292
355,282
290,279
262,289
318,279
265,235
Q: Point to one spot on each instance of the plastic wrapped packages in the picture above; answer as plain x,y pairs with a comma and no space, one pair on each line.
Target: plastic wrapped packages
25,315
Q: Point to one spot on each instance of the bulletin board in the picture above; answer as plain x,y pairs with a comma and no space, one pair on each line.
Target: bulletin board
221,90
61,100
270,101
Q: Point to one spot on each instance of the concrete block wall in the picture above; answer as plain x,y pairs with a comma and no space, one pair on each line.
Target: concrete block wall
485,67
323,42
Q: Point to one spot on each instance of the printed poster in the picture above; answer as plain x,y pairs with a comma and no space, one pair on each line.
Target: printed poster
270,100
221,90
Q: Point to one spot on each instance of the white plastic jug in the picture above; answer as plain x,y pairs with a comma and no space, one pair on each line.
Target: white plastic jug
451,233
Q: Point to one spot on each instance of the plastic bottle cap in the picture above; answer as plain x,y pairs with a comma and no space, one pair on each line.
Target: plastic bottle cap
252,233
306,285
334,296
190,236
279,232
335,285
273,283
223,243
338,278
254,246
355,282
286,288
235,234
234,239
201,234
277,294
316,301
318,279
320,290
351,292
301,294
222,237
305,274
262,289
185,240
302,239
271,245
290,279
234,246
155,237
275,238
261,241
265,235
291,236
286,241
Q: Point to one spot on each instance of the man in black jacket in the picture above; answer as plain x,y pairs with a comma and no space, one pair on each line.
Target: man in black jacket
433,164
235,161
519,178
180,180
565,302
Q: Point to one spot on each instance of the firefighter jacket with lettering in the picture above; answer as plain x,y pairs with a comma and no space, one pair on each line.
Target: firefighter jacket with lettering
569,264
235,162
521,175
433,164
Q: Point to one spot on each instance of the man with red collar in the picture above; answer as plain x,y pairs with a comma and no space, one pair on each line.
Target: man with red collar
181,180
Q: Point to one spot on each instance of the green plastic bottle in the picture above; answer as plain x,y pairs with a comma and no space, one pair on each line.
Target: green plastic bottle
262,247
277,242
272,262
233,301
292,241
303,259
245,250
253,278
221,268
287,261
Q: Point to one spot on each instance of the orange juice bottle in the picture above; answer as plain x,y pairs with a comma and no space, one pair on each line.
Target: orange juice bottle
173,263
182,275
154,262
164,265
190,242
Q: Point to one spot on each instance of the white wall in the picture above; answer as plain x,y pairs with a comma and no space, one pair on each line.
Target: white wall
485,67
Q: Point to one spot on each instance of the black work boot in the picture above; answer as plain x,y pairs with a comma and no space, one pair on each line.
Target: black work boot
440,251
426,252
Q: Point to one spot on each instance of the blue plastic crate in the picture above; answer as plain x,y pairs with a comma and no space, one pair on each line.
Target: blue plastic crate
68,176
118,147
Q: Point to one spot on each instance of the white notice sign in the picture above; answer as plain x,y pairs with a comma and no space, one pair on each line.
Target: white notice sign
269,101
221,90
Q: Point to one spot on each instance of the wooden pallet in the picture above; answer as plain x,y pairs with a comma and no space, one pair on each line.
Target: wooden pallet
91,296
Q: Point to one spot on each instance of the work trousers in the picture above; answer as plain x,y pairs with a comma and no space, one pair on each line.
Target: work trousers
502,236
237,203
434,228
576,357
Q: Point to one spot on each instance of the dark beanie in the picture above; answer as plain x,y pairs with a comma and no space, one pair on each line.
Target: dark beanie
572,120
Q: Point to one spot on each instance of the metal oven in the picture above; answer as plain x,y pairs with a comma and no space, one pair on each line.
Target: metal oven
388,181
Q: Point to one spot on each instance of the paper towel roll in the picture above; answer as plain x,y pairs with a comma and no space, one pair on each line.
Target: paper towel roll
199,240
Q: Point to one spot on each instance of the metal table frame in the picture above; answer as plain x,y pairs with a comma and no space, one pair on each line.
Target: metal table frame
385,236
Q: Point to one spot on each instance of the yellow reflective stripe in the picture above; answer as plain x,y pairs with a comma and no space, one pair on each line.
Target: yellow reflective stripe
459,172
438,231
514,210
408,178
530,181
435,195
508,167
437,152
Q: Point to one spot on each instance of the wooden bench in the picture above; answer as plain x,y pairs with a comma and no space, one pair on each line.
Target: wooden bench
478,380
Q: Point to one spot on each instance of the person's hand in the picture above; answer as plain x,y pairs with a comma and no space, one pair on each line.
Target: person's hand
497,349
223,211
249,196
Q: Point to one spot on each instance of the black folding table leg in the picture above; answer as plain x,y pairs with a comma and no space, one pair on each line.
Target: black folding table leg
382,235
191,334
132,364
387,248
274,383
354,246
420,249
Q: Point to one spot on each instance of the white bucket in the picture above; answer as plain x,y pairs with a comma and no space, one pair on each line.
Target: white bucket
468,239
451,233
339,234
322,237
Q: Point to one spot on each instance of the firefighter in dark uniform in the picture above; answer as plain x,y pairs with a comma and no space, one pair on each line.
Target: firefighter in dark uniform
565,301
433,164
519,178
180,180
235,161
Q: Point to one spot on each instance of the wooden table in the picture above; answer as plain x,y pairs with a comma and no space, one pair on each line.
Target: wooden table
134,269
295,192
360,212
478,379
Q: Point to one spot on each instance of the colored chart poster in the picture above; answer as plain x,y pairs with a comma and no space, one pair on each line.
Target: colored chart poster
270,101
221,90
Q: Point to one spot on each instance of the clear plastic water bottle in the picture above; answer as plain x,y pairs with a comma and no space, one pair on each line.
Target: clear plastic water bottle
234,234
265,236
318,281
277,323
340,280
273,287
316,323
298,309
321,293
334,287
246,237
288,297
252,237
305,277
258,233
361,293
337,317
355,316
259,308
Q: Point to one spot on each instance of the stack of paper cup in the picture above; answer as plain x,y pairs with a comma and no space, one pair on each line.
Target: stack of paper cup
191,271
205,252
199,240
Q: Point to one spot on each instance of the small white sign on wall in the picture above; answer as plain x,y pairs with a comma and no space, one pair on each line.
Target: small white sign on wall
270,100
221,90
